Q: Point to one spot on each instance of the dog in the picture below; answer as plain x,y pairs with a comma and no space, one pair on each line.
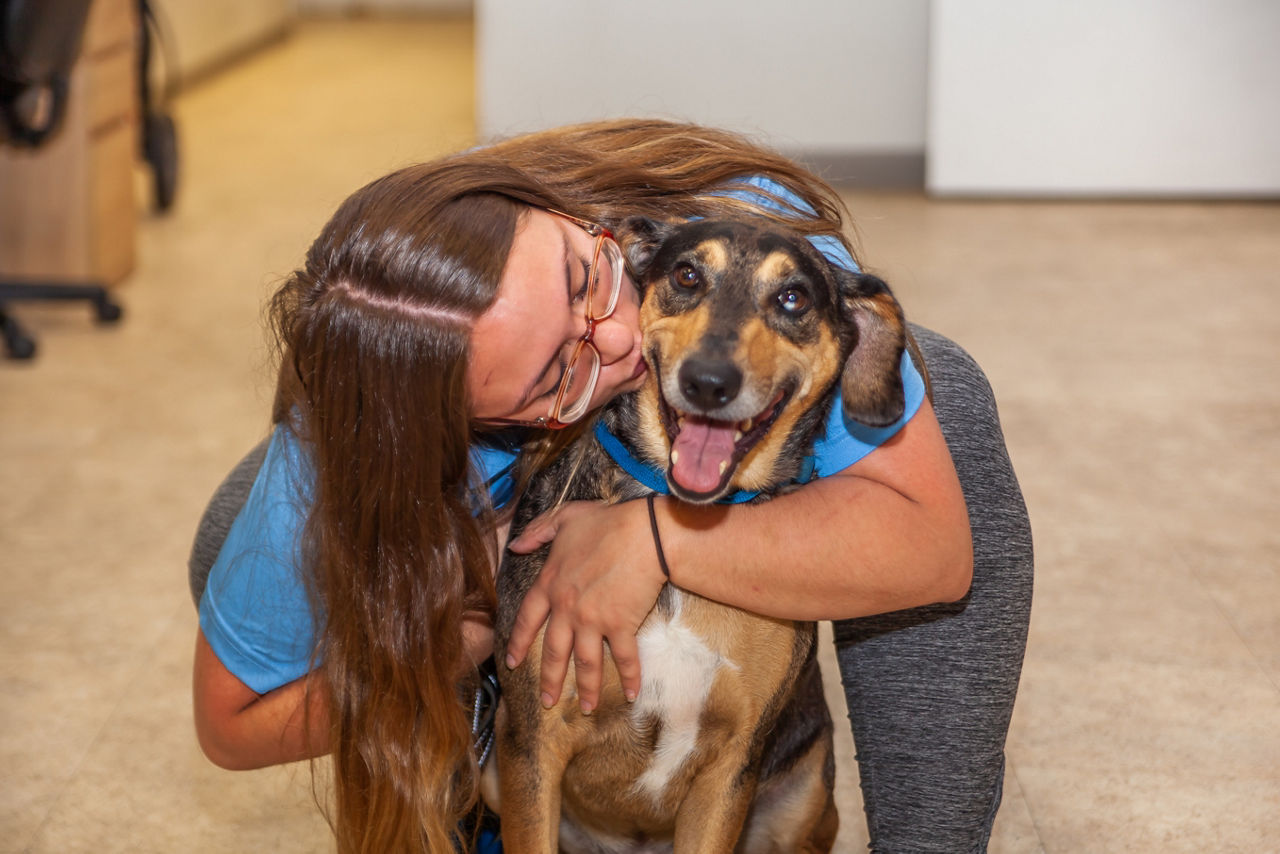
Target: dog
748,333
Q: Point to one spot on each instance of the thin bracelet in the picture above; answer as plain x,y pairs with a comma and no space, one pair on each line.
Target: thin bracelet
657,540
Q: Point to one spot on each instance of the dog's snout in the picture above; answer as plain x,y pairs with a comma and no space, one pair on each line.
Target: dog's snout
709,383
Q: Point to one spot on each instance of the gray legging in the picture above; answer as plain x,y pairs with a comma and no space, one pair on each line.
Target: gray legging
930,690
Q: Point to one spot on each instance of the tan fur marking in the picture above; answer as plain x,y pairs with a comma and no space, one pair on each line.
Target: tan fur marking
774,268
714,254
818,365
761,649
653,439
676,336
766,656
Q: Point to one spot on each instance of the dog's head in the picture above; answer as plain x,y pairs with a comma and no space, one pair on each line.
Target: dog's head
747,331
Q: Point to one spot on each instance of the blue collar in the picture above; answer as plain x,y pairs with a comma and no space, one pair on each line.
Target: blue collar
656,480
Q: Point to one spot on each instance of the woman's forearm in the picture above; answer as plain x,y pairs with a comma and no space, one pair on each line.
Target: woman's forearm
764,559
240,730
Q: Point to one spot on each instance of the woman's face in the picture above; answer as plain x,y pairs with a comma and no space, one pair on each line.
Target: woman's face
517,345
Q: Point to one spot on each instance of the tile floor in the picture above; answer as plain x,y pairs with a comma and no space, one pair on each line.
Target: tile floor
1134,348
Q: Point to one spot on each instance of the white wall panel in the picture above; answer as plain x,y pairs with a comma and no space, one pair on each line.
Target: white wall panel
1105,97
812,75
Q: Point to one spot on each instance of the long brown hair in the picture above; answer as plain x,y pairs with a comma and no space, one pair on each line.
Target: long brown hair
373,334
606,171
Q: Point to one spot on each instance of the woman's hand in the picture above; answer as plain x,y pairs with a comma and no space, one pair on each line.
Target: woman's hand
598,585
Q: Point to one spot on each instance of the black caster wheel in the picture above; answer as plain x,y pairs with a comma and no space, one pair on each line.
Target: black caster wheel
17,343
21,348
160,148
108,311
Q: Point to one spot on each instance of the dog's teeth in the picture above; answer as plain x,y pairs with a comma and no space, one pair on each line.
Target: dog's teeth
675,456
747,425
724,464
737,435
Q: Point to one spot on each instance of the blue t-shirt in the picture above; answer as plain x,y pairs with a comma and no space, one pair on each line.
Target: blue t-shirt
255,612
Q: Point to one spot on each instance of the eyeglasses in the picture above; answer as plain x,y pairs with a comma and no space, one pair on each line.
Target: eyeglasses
580,356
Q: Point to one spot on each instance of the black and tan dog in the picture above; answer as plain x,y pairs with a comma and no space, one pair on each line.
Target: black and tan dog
748,333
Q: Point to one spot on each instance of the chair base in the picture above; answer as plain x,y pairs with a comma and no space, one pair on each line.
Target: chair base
19,344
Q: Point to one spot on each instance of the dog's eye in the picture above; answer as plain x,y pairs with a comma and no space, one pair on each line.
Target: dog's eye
685,276
793,300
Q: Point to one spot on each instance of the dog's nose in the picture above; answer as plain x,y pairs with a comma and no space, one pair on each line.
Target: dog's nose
709,383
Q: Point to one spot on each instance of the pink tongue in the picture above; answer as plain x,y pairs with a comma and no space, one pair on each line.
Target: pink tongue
700,447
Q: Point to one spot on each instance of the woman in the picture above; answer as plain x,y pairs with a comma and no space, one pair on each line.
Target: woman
353,594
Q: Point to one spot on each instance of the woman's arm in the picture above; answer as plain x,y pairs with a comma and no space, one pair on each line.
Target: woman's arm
239,729
887,533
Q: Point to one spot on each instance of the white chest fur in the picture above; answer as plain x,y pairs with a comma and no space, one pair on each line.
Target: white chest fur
678,671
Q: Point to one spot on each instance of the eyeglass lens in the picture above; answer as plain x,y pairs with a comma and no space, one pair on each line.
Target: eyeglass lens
583,359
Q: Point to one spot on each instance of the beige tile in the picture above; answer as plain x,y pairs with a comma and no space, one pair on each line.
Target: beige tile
1014,831
144,786
66,658
1136,810
1244,584
1125,755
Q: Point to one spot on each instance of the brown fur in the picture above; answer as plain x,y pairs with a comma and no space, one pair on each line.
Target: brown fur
757,771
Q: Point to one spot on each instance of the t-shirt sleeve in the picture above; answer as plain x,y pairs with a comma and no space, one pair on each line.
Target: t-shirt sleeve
845,442
255,612
495,464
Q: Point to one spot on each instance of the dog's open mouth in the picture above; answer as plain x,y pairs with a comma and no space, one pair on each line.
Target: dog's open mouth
705,452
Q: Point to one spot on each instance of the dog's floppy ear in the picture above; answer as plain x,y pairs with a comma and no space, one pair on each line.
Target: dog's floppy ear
641,238
871,385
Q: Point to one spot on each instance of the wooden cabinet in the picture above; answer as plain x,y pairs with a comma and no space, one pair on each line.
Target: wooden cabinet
67,208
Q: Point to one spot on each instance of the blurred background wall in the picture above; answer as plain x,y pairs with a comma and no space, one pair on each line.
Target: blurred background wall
1094,97
839,84
208,33
972,97
1105,97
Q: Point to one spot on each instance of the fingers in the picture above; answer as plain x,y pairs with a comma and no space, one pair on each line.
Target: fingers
536,534
588,667
626,657
529,619
588,661
531,539
584,600
557,644
584,647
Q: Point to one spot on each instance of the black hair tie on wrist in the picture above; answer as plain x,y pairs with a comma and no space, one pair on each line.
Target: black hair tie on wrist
657,540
